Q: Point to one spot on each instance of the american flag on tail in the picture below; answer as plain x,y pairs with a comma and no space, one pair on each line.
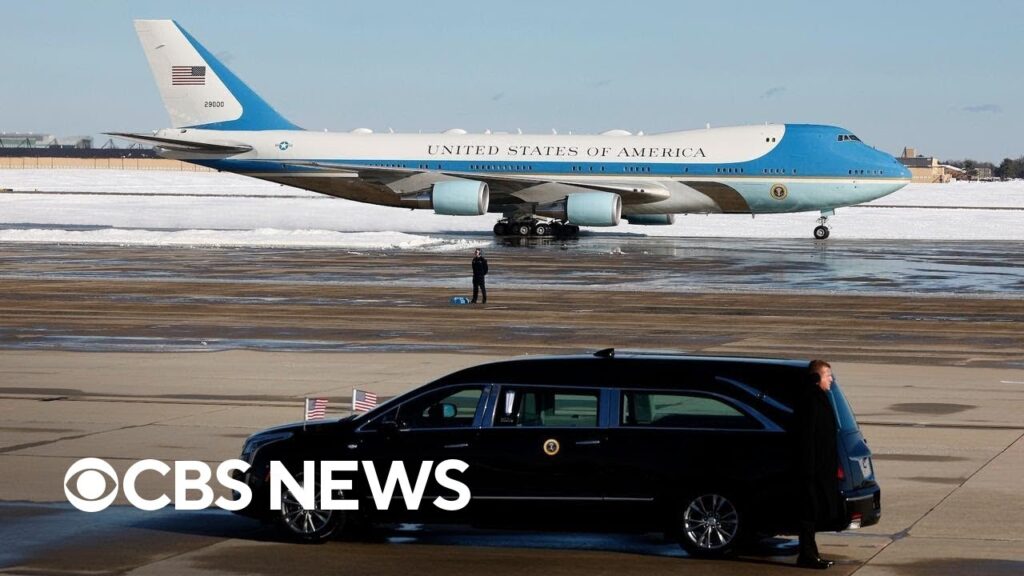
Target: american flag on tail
188,75
363,401
316,408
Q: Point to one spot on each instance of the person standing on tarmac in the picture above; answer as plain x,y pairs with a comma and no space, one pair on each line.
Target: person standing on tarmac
817,461
479,271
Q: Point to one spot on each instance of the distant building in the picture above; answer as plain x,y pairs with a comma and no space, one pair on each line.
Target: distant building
33,140
927,169
983,173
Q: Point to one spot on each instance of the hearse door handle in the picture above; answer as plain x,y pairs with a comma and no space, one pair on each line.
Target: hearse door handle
588,442
459,445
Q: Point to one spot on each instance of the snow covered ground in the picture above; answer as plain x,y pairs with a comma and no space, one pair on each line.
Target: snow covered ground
216,209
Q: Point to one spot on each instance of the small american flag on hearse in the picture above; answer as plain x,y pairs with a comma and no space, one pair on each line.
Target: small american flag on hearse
316,408
363,401
188,75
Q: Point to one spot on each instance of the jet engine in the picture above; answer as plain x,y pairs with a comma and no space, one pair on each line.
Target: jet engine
453,198
460,198
585,209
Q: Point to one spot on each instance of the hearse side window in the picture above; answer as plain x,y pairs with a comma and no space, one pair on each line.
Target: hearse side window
547,407
444,408
755,393
681,410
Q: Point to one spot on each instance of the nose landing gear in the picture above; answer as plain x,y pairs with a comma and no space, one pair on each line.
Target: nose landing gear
821,231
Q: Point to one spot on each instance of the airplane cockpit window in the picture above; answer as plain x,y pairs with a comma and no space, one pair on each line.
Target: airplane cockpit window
845,137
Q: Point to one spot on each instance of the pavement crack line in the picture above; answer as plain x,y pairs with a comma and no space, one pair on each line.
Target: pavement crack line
126,398
906,531
26,445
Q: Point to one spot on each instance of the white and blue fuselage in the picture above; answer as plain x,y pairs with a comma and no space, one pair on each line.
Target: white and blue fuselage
760,169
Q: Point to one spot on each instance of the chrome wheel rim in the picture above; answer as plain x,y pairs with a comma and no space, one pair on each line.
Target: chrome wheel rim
302,521
711,522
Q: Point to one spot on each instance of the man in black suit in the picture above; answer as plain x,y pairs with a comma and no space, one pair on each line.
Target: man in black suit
817,462
479,271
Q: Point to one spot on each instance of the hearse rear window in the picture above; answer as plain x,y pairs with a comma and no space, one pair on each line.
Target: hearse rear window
681,410
547,407
844,414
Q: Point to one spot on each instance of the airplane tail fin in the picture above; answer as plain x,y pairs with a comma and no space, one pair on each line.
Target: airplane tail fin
198,90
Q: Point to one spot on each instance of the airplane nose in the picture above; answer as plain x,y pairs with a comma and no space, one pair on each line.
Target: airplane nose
893,165
902,170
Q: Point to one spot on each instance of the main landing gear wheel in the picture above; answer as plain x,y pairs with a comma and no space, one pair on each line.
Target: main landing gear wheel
561,230
535,228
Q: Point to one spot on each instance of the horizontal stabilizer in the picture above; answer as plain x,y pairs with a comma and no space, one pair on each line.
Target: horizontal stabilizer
184,145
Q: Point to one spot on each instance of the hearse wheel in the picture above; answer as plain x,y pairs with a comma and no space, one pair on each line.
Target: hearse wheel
313,526
709,524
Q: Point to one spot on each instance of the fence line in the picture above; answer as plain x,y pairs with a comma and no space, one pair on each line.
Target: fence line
99,163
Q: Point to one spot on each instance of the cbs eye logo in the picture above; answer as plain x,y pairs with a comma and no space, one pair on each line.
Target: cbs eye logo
86,483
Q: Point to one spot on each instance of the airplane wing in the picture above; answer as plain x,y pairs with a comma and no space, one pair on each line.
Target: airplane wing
504,190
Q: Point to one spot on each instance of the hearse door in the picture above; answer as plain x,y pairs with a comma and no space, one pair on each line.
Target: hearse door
543,447
440,425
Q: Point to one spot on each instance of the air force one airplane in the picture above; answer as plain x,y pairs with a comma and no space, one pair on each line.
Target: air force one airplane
542,185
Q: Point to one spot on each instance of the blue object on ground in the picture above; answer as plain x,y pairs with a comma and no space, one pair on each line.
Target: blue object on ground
459,300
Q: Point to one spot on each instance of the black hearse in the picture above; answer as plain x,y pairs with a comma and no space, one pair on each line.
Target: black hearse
696,446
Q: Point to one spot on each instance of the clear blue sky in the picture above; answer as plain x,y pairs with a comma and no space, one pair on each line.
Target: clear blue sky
942,76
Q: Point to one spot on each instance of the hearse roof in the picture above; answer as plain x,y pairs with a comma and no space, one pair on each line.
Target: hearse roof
584,369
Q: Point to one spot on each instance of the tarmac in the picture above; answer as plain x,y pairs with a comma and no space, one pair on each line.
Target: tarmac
131,353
